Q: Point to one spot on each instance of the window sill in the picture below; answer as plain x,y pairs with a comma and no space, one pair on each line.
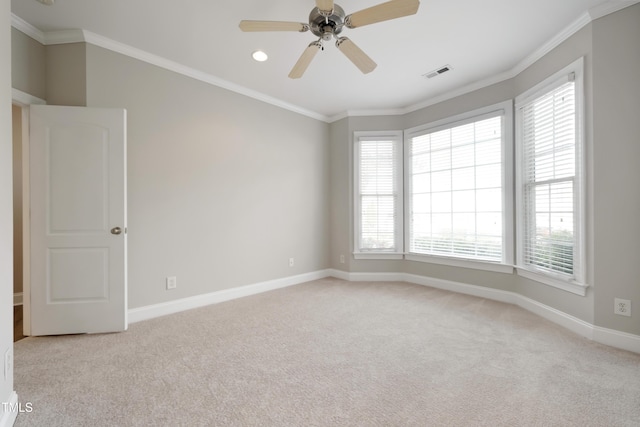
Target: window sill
565,285
464,263
377,255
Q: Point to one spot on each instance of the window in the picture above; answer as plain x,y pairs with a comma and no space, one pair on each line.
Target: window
378,194
456,187
550,183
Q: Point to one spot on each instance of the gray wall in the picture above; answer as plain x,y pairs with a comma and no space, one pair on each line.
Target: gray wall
6,199
55,73
616,128
223,189
579,45
66,75
340,184
28,64
612,96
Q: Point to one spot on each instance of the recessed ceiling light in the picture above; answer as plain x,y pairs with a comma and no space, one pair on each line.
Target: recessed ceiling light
260,56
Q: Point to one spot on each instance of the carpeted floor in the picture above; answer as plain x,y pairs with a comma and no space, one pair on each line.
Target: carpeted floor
331,353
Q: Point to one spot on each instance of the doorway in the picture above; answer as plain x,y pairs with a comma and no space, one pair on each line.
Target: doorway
70,208
18,126
71,298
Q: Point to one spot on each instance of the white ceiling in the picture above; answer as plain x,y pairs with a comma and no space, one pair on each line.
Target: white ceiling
481,40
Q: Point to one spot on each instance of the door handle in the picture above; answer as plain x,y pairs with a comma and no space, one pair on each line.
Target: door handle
116,230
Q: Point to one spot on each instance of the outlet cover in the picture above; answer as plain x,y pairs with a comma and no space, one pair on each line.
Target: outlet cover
172,282
622,307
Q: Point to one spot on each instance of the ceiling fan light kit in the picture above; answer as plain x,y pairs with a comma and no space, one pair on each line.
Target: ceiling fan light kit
327,20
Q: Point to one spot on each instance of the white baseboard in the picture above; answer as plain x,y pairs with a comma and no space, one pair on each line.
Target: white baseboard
598,334
376,277
9,418
170,307
18,299
616,339
339,274
558,317
462,288
601,335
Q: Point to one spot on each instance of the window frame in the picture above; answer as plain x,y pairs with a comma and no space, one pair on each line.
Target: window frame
396,137
577,282
505,265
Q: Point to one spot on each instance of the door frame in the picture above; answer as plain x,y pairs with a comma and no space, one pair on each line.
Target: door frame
24,100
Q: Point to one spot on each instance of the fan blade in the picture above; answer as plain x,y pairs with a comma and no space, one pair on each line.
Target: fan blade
250,26
383,12
325,5
356,55
303,63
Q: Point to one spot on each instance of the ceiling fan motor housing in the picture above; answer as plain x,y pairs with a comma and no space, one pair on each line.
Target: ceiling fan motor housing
324,25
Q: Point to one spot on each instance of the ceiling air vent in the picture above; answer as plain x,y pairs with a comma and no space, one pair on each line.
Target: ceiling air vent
437,72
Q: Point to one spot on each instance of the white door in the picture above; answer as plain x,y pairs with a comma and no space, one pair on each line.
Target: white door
78,220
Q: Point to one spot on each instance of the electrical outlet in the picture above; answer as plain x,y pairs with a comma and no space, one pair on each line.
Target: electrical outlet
172,282
341,259
622,307
8,363
291,262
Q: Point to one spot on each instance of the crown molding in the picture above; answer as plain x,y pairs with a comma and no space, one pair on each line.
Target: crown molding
27,29
338,117
610,7
366,113
76,36
64,37
460,91
529,60
583,20
48,37
176,67
82,36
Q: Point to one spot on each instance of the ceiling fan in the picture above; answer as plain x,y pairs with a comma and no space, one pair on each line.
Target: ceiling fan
327,20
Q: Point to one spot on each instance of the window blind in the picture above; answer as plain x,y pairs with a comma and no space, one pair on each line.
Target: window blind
378,164
549,158
455,190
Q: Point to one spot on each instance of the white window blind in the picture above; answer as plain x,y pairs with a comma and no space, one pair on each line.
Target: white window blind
455,190
379,196
549,159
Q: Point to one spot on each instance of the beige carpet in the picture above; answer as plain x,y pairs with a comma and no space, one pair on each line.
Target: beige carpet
332,353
